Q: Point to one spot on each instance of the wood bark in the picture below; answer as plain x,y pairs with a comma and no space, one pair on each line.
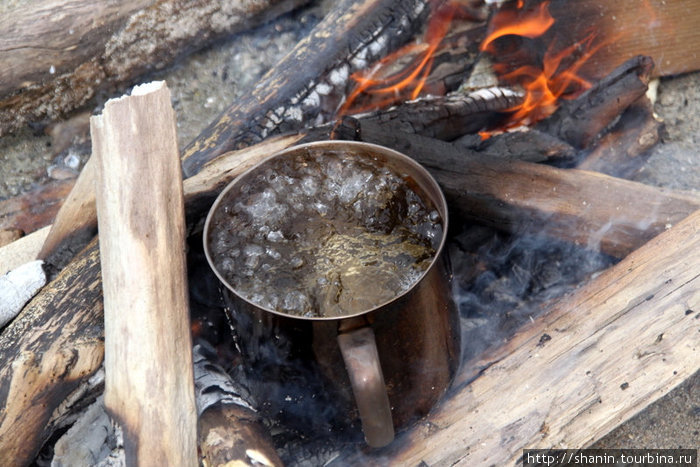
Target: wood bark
590,363
149,382
311,78
587,208
580,121
53,67
54,345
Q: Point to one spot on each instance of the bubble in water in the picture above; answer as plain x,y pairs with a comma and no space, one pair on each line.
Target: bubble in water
323,234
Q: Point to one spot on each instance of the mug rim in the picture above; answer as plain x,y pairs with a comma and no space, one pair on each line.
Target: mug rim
440,205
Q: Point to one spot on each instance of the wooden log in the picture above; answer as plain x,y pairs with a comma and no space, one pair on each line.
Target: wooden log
54,345
624,150
76,219
580,121
53,67
590,363
312,77
665,31
590,209
149,383
22,250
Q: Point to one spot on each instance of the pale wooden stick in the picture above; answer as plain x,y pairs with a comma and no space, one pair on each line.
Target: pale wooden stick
149,386
592,362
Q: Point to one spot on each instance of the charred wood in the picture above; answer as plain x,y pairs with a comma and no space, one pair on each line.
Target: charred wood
313,76
53,67
448,117
54,345
583,207
624,150
527,146
580,121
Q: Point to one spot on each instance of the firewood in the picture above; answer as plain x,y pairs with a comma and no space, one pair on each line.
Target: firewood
580,121
665,31
54,345
53,67
75,220
623,150
230,430
17,287
22,250
149,383
312,77
604,213
591,362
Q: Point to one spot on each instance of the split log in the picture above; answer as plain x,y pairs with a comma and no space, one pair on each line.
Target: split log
75,222
53,67
149,382
54,345
22,250
591,362
665,31
307,81
230,430
8,236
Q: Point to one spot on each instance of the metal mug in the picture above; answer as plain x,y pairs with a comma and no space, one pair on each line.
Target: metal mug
390,363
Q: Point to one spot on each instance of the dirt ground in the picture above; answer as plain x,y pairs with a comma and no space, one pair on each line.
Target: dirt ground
203,84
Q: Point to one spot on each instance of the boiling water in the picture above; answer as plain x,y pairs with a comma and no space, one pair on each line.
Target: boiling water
323,234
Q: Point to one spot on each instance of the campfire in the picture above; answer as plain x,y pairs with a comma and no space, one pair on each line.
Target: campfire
576,286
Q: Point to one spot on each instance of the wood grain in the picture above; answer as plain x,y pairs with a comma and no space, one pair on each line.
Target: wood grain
149,382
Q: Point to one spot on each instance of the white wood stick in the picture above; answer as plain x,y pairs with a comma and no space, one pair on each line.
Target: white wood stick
17,287
149,385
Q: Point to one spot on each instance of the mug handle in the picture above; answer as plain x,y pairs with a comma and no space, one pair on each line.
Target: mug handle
359,349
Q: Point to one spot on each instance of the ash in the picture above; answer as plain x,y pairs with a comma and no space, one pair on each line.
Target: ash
501,281
322,234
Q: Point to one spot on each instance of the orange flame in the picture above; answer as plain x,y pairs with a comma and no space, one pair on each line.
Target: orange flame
545,83
410,81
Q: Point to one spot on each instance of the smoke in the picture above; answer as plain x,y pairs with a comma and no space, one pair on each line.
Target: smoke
501,280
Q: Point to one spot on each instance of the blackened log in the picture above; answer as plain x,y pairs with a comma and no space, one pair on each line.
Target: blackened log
352,36
529,146
448,117
53,67
590,209
580,121
54,345
625,149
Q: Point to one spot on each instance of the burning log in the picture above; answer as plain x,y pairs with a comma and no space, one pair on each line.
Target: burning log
142,251
580,121
53,67
353,35
567,381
